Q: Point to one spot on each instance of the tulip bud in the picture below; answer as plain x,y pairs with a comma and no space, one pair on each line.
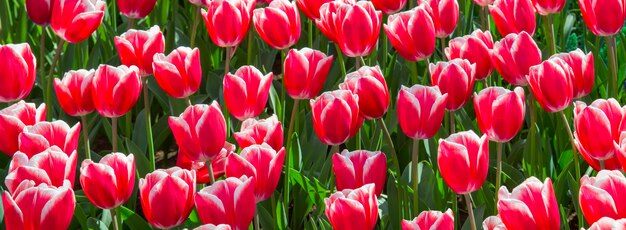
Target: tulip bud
455,78
229,201
179,74
353,209
491,103
261,163
19,69
513,16
167,196
389,6
476,48
268,131
39,206
51,167
110,183
514,55
445,15
136,9
413,43
74,92
493,223
420,110
138,47
598,128
13,119
355,169
463,160
369,84
327,14
39,11
43,135
431,220
305,72
246,92
116,89
552,84
336,116
583,69
483,3
75,20
214,227
218,164
278,24
602,196
311,8
531,205
227,21
606,223
604,18
546,7
353,25
200,131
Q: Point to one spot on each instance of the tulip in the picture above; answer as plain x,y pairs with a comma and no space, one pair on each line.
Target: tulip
353,209
218,164
552,84
602,196
51,167
229,201
607,223
491,103
336,116
513,16
75,20
476,48
514,55
39,137
605,18
167,196
261,163
493,223
445,15
246,92
583,69
305,72
227,21
116,89
278,24
179,74
431,220
546,7
455,78
463,160
483,3
138,47
199,3
421,110
598,128
39,207
531,205
39,11
311,8
19,68
357,168
214,227
13,119
200,131
74,92
326,19
253,132
110,183
136,9
368,83
389,6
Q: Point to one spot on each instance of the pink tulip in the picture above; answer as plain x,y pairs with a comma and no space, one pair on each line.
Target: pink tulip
431,220
305,72
51,166
229,201
138,47
493,223
39,11
420,111
413,43
246,92
545,7
336,116
74,92
602,196
110,183
476,48
199,3
389,6
34,207
607,223
13,119
514,55
327,15
598,128
43,135
227,21
261,163
455,78
167,196
490,106
278,24
353,25
357,168
214,227
75,20
253,132
463,160
605,18
136,9
552,84
531,205
483,3
583,69
513,16
116,89
200,131
179,74
369,84
445,15
202,171
19,68
311,8
353,209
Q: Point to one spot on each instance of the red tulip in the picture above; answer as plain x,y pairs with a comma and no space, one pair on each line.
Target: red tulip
354,26
531,205
514,55
179,74
246,92
200,131
261,163
305,72
607,223
490,106
39,11
483,3
253,132
545,7
326,19
43,135
603,18
199,3
19,68
420,110
431,220
202,172
40,206
278,24
311,8
138,47
598,128
136,9
227,21
336,116
116,89
13,119
493,223
445,15
167,196
513,16
74,92
110,183
463,160
51,166
602,196
583,69
476,48
368,83
357,168
552,84
455,78
229,201
213,227
353,209
75,20
389,6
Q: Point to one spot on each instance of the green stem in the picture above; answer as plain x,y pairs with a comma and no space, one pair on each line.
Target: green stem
42,52
484,19
114,215
396,163
443,49
188,101
498,171
531,136
613,64
146,103
602,167
194,29
310,33
470,211
292,122
549,29
415,77
48,97
414,177
571,139
86,136
249,47
211,175
452,123
256,222
341,63
114,134
131,24
227,71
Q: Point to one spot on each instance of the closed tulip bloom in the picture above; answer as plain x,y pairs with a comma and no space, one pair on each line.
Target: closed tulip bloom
179,74
369,84
389,6
253,132
490,106
202,171
327,15
227,21
167,196
305,72
278,24
13,119
545,7
199,3
51,166
531,205
602,196
75,20
513,16
246,92
43,135
455,78
445,15
607,223
463,159
420,111
476,48
138,47
353,208
19,68
603,18
311,8
116,89
357,28
136,9
200,131
74,92
336,116
483,3
39,11
41,206
514,55
214,227
598,128
357,168
583,69
229,201
261,163
110,183
552,84
493,223
431,220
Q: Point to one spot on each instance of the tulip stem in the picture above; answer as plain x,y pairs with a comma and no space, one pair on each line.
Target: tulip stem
310,34
571,139
443,49
549,29
498,170
48,96
610,41
227,71
341,63
146,103
256,222
470,210
531,137
210,169
452,122
292,122
484,19
188,101
194,29
602,167
42,52
414,177
86,136
383,126
131,23
114,218
114,134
